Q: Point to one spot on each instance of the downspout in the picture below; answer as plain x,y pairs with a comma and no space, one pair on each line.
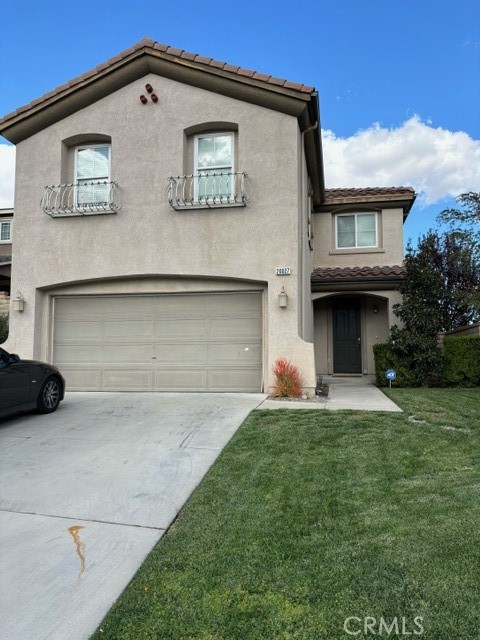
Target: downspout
301,239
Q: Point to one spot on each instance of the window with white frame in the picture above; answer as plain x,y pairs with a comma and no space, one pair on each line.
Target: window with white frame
214,167
92,175
356,230
5,230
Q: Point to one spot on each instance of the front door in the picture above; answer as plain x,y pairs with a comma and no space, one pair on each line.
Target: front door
347,352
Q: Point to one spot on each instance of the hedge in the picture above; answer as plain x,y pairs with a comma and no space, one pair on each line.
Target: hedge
387,358
3,328
461,361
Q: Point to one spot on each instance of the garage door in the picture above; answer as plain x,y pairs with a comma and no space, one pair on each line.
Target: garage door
194,342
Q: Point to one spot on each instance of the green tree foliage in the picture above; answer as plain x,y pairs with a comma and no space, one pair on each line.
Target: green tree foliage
466,218
440,292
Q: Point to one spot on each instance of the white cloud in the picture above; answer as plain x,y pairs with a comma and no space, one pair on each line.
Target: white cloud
7,175
436,162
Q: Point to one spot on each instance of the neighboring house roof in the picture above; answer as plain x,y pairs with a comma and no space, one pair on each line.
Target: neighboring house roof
148,56
347,197
323,278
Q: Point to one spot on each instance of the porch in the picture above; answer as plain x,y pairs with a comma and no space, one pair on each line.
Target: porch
346,326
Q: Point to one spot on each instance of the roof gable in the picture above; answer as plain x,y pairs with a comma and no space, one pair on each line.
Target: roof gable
148,56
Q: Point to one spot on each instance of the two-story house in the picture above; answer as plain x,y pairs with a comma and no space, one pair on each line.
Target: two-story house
185,239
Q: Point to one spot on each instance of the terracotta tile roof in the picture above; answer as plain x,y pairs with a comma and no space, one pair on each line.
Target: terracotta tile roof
358,273
335,195
148,43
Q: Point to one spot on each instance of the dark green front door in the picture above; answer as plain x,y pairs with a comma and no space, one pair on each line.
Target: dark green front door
347,353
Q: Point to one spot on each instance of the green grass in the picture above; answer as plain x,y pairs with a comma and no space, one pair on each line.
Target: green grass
309,517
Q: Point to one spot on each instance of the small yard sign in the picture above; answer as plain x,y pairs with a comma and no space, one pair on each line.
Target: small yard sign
390,375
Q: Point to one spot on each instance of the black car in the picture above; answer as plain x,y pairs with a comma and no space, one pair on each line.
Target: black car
28,384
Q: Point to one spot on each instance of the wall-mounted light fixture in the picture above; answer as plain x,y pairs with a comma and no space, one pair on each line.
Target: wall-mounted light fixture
375,309
282,299
18,303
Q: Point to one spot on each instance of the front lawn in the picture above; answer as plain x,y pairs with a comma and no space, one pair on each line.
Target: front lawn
311,517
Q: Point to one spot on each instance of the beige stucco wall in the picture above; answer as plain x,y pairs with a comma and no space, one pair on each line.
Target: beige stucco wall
390,241
147,237
374,326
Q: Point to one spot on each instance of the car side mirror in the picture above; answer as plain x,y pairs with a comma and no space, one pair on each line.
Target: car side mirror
14,358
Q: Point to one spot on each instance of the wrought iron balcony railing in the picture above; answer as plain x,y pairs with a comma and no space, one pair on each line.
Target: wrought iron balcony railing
208,190
81,199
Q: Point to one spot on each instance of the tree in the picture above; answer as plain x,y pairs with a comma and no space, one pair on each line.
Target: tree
440,292
467,217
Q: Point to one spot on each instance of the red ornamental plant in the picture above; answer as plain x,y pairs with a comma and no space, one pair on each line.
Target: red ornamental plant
288,383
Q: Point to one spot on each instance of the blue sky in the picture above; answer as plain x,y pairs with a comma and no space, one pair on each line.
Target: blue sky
399,81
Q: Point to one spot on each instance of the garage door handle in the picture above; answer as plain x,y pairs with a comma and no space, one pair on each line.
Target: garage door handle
154,357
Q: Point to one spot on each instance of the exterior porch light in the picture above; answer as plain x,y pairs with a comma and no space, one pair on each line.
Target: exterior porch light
282,299
18,303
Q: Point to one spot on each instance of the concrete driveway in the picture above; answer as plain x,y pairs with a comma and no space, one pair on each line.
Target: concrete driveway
86,492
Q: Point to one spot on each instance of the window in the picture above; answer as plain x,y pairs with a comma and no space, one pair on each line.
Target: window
355,230
5,230
92,175
213,168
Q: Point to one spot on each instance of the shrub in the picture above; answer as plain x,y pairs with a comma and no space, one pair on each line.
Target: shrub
288,383
462,361
3,328
386,357
418,356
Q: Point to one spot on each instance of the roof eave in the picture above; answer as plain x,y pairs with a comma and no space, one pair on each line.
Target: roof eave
356,284
108,78
381,202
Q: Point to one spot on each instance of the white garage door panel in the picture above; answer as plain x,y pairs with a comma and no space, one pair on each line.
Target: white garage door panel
127,380
235,354
128,330
71,354
231,379
181,380
188,354
239,328
76,331
197,342
180,306
82,378
126,353
128,307
177,329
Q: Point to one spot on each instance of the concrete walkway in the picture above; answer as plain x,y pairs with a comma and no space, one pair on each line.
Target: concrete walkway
357,393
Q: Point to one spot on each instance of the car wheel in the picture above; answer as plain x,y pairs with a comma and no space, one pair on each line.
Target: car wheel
49,396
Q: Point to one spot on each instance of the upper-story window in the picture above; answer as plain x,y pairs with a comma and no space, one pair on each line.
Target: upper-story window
5,231
211,179
214,166
356,230
86,187
92,175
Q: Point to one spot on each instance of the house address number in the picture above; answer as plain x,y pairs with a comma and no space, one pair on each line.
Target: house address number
284,271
